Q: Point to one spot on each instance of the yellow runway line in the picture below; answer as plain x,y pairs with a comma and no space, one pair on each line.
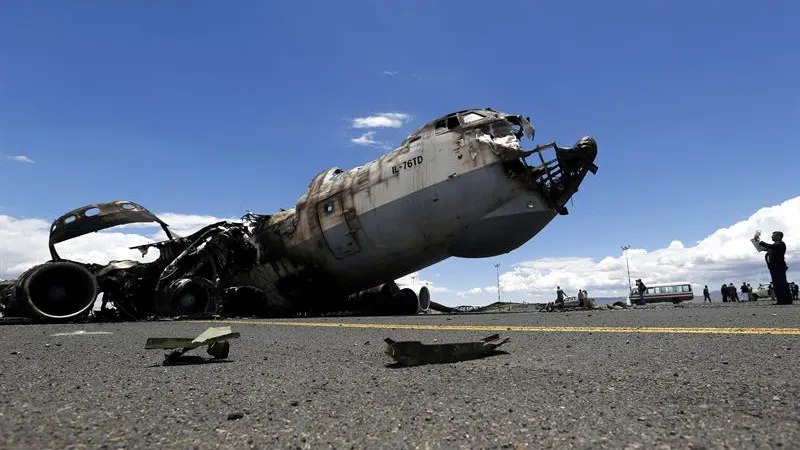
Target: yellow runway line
523,328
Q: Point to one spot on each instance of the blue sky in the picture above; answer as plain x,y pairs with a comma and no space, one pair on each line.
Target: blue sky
214,109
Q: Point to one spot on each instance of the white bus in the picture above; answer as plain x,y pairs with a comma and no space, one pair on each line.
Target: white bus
664,292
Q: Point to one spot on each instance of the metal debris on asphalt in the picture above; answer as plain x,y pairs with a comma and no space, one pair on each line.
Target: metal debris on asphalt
414,353
216,338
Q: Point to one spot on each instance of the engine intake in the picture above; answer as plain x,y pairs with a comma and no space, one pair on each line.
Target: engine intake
189,296
424,299
54,292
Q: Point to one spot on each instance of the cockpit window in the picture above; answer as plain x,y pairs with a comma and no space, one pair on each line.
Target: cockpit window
471,117
447,124
452,122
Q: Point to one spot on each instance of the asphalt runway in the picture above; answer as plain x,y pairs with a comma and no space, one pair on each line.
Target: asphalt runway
723,376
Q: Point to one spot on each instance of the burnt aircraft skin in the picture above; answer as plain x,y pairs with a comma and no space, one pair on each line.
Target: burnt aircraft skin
458,186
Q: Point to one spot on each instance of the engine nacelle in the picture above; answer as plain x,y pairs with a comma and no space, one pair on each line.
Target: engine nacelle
388,300
55,291
188,297
424,299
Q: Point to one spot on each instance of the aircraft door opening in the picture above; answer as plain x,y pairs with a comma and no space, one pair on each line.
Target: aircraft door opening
339,226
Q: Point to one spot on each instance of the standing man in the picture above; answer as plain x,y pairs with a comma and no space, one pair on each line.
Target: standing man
642,289
706,295
559,295
733,293
776,263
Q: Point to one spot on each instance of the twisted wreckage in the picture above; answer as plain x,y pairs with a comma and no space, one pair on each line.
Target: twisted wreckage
459,186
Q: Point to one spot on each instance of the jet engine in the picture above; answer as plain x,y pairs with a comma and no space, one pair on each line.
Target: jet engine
424,299
55,291
189,296
388,299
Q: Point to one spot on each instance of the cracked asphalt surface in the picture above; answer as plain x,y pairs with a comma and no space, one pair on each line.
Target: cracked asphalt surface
329,387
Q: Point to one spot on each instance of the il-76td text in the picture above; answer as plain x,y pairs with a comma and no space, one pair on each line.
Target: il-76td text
415,161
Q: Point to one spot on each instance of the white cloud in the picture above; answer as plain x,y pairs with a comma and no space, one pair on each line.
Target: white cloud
382,120
365,139
390,72
413,281
21,159
478,290
726,256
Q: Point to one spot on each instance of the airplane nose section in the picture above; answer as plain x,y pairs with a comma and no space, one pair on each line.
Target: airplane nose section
588,145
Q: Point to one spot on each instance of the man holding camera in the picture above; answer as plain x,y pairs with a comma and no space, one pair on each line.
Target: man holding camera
776,263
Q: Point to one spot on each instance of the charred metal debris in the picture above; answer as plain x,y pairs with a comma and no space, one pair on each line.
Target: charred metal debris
215,338
192,276
415,353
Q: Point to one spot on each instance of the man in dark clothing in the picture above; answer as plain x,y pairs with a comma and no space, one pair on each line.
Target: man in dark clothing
642,289
724,291
776,263
733,293
560,295
706,295
745,292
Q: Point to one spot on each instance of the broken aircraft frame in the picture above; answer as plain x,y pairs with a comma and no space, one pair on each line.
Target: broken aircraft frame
459,186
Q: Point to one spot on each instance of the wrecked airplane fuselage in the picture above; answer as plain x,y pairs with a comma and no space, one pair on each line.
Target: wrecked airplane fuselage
461,186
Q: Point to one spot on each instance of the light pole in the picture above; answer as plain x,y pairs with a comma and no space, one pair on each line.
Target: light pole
625,250
497,268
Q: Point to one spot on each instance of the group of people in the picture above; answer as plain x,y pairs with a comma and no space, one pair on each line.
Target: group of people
731,294
780,288
561,296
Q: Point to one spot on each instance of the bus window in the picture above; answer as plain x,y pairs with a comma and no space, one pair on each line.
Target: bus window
686,288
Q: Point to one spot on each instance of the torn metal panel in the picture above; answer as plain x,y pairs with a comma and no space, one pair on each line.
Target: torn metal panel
209,336
414,353
90,218
216,338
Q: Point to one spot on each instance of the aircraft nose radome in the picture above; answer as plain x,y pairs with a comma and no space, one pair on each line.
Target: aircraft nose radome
586,152
587,146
